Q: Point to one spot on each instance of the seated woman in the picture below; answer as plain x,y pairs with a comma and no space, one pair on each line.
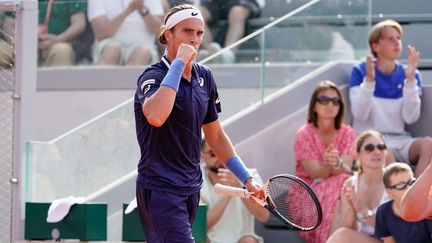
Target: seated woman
364,192
323,150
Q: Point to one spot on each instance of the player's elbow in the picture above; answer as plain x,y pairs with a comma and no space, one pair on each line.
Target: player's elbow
410,217
410,212
154,119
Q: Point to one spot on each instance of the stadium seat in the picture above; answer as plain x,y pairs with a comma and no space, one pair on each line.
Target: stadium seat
86,222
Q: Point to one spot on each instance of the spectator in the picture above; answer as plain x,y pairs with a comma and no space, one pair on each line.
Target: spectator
385,95
390,227
229,219
59,24
417,201
125,30
7,41
237,13
364,192
167,4
324,150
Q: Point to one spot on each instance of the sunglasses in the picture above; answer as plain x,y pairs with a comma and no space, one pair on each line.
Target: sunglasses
402,186
325,100
371,147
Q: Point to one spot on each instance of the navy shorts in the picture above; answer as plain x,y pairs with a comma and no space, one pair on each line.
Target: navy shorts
167,217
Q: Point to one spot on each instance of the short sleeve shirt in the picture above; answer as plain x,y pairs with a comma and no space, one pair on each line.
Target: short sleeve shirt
170,154
389,224
61,13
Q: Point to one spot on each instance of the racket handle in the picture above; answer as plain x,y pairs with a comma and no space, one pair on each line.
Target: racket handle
231,191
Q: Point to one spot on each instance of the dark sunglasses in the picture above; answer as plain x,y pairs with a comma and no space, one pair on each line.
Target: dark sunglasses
325,100
371,147
402,186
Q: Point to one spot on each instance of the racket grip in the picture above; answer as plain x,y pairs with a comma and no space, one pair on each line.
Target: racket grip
231,191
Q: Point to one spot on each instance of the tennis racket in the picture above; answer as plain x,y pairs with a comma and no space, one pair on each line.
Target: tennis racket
287,197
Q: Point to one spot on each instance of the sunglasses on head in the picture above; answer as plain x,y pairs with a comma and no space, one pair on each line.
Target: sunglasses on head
403,185
371,147
324,100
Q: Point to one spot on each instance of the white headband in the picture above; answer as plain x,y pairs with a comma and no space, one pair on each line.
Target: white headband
182,15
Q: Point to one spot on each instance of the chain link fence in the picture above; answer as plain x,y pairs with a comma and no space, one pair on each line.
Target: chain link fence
7,91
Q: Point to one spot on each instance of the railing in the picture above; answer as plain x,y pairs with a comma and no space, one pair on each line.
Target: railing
105,149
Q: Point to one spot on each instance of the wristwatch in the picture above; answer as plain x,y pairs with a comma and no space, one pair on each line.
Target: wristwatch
144,11
340,163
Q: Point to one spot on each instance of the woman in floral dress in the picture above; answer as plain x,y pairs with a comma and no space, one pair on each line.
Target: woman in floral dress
324,149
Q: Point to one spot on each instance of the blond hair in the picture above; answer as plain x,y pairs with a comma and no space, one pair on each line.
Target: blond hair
377,31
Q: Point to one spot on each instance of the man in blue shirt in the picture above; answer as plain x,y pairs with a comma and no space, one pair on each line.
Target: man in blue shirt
175,99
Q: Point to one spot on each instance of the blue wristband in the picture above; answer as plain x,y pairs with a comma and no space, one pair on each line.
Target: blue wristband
238,168
173,77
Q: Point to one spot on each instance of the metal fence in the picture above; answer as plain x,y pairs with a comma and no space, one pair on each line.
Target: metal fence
7,91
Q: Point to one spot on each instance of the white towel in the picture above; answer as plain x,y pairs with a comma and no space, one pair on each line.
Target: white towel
132,205
59,208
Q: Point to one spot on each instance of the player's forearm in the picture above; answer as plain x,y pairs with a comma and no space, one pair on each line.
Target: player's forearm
218,140
414,205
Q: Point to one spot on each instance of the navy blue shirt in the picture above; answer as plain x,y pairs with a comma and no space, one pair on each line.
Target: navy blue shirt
389,224
170,154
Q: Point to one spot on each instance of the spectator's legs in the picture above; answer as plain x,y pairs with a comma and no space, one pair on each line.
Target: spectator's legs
337,217
140,55
420,154
248,239
208,37
110,54
237,17
349,235
6,54
60,54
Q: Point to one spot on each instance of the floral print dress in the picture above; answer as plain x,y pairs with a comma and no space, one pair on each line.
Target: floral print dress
309,146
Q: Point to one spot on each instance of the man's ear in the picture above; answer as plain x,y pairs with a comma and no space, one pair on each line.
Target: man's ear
168,35
375,47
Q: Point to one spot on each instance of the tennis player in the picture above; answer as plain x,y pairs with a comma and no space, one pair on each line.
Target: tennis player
174,100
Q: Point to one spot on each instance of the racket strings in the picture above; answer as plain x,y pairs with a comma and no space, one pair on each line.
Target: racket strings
293,202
